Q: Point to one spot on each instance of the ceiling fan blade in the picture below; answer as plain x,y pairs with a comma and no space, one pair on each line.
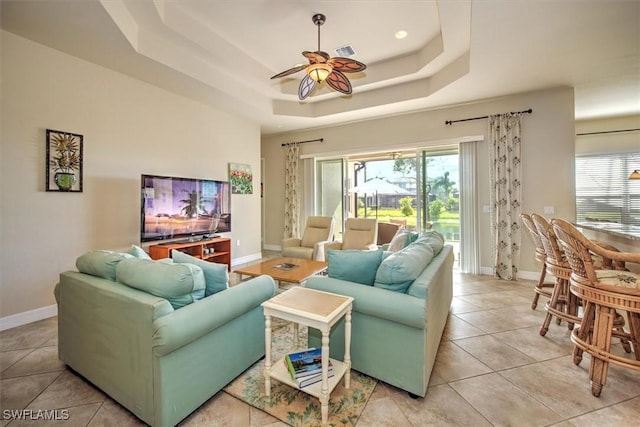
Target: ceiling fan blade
346,65
290,71
339,82
318,57
307,85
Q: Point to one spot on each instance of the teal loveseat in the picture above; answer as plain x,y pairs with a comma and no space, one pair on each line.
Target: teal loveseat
158,361
395,334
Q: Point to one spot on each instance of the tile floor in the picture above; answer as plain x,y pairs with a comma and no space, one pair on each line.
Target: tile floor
493,368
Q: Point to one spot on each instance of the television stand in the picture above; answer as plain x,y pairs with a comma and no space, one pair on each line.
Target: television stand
217,249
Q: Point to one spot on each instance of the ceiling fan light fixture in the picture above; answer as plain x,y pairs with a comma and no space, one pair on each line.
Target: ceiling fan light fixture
319,72
324,68
635,174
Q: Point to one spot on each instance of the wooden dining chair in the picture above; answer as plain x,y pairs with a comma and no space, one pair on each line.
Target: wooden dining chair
562,304
603,293
542,287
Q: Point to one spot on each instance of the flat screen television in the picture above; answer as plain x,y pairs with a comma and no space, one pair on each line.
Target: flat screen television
173,207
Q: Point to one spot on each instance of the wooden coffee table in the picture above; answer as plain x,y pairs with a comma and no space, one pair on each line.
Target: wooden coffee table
302,270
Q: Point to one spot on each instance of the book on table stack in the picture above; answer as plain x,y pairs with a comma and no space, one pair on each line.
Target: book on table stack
305,366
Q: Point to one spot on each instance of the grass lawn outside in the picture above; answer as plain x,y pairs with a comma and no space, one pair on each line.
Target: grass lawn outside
448,223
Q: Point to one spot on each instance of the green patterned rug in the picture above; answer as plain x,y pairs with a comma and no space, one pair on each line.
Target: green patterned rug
295,407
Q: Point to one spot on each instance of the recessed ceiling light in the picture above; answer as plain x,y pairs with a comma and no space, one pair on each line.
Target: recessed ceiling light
401,34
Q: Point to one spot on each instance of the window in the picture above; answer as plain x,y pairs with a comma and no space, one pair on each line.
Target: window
604,191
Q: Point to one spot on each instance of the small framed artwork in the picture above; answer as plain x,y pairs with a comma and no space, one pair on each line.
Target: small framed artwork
64,161
241,178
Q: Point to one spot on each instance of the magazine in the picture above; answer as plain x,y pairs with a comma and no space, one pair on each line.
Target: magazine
312,379
305,363
286,266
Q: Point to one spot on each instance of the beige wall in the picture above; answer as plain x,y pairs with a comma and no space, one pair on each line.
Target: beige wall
548,155
614,142
129,128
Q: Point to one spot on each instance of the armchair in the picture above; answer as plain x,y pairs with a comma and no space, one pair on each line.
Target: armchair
386,231
318,231
359,233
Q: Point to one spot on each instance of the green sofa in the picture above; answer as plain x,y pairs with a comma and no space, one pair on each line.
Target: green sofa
159,362
395,335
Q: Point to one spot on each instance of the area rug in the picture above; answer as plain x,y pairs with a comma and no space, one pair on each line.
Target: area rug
295,407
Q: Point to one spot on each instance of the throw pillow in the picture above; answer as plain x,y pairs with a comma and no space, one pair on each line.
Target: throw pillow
354,265
138,252
100,263
216,276
180,284
399,270
398,241
401,239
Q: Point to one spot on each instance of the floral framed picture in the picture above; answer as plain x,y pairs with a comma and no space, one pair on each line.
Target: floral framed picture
241,178
64,161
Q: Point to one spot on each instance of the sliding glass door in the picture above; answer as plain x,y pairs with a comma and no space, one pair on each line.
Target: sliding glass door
440,194
331,190
419,189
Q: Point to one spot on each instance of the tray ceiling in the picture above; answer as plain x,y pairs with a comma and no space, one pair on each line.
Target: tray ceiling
223,53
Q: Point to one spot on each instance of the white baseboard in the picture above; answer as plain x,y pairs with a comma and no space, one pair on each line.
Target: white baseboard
529,275
524,275
246,259
276,248
486,271
28,317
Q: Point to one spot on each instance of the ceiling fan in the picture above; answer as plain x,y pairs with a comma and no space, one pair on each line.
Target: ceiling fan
323,68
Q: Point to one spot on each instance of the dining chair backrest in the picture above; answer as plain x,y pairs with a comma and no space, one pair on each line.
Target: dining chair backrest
576,254
541,254
555,255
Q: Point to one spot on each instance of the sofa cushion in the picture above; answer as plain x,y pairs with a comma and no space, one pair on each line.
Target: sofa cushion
398,271
354,265
101,263
180,284
432,238
138,252
216,276
620,279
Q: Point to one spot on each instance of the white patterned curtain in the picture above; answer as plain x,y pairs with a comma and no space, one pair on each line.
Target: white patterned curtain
505,194
291,193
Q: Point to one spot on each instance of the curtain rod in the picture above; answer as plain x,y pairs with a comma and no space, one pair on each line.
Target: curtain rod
450,122
303,142
607,131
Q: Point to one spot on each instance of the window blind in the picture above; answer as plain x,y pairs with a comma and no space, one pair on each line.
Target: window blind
604,191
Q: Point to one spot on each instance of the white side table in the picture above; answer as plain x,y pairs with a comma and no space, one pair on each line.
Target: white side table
315,309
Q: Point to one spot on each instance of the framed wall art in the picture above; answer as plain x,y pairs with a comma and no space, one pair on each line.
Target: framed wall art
241,178
64,161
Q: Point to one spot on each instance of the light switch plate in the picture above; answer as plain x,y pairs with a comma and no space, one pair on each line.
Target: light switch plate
549,210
